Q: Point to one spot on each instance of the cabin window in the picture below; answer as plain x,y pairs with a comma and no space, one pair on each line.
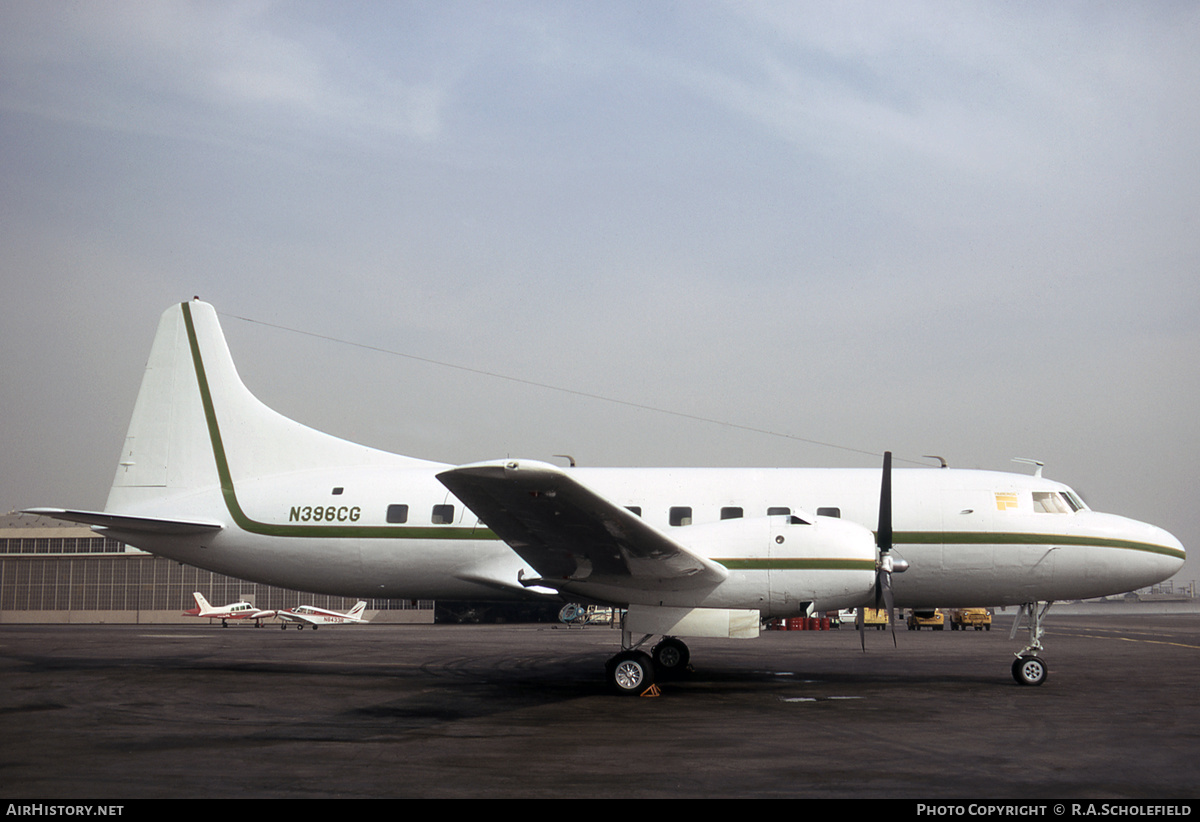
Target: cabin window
443,514
681,515
731,513
829,512
777,510
337,492
637,509
397,514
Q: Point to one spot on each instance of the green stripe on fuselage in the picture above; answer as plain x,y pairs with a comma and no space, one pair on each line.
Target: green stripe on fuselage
1018,538
784,564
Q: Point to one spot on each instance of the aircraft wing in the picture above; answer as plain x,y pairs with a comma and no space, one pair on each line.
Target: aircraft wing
128,524
567,532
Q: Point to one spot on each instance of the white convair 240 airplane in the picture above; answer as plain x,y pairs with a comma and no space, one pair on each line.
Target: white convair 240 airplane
211,477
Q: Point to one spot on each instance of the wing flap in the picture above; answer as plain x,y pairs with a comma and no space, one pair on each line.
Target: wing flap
566,531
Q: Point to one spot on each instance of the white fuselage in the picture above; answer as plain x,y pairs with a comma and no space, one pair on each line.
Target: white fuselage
971,538
212,477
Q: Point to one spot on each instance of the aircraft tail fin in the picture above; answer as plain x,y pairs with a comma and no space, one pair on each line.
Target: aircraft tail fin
357,610
196,426
202,606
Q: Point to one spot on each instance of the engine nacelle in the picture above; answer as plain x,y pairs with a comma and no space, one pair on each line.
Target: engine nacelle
793,561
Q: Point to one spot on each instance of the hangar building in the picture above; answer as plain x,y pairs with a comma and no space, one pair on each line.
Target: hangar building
53,571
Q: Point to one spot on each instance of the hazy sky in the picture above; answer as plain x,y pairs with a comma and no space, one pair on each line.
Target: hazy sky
961,229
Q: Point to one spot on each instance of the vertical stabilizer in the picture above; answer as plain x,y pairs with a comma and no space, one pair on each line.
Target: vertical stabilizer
196,427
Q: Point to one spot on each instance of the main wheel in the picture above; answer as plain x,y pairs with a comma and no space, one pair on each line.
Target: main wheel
631,672
1029,670
671,656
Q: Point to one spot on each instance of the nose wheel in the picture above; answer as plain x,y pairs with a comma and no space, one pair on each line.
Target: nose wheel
1029,670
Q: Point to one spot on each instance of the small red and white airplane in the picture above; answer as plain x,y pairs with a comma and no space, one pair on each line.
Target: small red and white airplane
312,615
236,610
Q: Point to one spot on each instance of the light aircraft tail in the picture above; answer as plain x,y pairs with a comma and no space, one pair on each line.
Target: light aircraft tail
196,427
202,606
357,610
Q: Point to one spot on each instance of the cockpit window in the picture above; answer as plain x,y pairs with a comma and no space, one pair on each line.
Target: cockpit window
1053,502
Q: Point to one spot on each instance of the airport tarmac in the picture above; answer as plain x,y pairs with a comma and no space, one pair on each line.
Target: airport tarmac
128,712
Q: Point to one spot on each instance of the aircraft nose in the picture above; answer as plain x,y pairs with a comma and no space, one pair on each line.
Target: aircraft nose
1160,554
1125,554
1172,544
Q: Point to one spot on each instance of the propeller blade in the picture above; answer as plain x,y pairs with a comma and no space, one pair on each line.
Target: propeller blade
890,603
884,534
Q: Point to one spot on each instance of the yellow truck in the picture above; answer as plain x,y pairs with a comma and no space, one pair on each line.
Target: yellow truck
963,618
875,618
934,620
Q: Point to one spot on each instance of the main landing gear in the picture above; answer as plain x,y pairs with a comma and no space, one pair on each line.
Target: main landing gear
1029,668
633,672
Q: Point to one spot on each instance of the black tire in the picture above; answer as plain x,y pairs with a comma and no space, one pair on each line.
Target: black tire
671,657
1030,671
631,673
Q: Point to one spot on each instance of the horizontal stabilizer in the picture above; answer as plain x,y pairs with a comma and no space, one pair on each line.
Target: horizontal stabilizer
128,524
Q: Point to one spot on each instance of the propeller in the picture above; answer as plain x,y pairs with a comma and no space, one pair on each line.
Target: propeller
883,539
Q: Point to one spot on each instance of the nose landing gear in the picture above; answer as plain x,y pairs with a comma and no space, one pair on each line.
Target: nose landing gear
1029,668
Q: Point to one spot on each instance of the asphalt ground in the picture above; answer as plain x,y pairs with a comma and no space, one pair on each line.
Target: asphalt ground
129,712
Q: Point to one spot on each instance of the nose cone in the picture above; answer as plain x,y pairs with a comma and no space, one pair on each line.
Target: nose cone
1171,547
1141,554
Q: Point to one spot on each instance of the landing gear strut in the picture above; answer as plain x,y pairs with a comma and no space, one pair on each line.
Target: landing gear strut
1029,668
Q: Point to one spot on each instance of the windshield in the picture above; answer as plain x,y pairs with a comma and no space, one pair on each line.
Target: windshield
1056,502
